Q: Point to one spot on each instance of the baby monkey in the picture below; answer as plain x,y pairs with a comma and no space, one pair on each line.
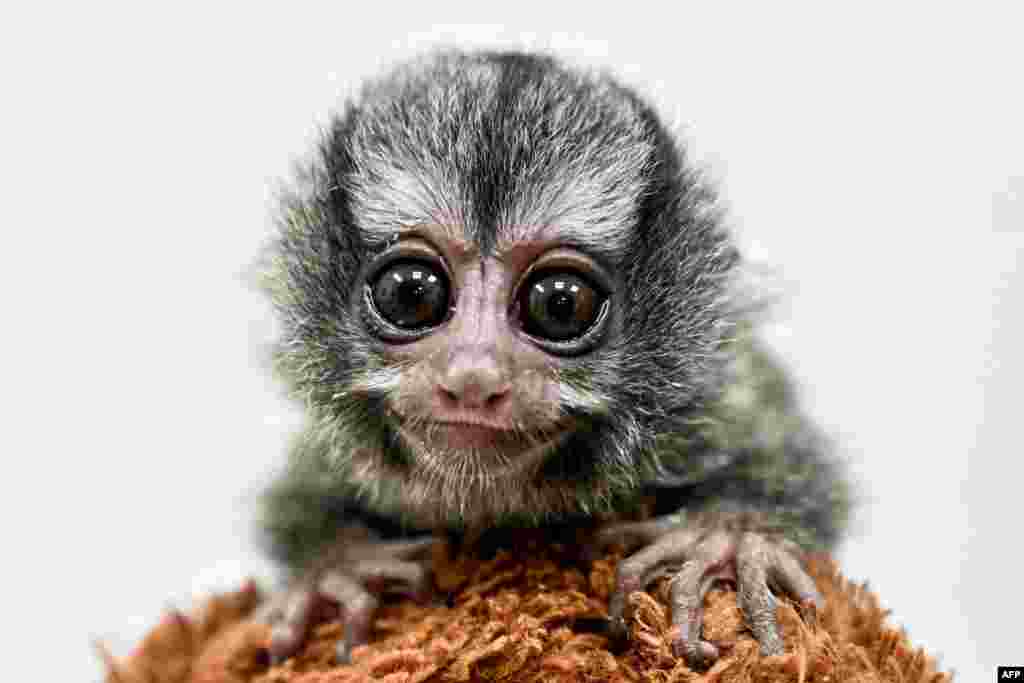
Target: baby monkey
508,300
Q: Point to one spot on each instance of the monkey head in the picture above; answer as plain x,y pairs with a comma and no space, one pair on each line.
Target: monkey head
499,281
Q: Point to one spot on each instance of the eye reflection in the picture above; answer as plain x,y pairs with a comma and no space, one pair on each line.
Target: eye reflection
411,295
559,306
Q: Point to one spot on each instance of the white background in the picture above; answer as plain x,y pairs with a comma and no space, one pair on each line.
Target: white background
874,155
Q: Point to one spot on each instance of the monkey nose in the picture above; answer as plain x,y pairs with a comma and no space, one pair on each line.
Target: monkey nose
474,396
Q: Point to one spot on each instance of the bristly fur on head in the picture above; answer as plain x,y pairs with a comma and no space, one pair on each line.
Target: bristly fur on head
491,142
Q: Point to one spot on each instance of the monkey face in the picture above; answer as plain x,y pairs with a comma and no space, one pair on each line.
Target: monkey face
499,282
480,341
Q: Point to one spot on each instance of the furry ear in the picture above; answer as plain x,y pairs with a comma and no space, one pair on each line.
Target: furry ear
308,270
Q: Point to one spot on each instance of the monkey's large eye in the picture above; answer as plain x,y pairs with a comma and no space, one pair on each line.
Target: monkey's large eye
559,306
411,295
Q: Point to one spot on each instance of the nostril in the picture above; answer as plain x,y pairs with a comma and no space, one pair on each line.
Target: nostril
473,397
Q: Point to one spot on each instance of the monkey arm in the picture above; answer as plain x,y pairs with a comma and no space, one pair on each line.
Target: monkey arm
740,498
748,525
340,558
302,511
795,489
754,450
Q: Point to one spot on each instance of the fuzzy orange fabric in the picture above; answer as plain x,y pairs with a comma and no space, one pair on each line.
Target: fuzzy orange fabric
512,618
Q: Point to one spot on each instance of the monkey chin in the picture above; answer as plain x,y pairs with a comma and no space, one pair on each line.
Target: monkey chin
474,478
463,452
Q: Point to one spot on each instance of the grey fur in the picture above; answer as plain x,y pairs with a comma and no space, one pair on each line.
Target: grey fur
493,146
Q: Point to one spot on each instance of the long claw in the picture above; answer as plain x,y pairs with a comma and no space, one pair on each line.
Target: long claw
787,573
757,565
753,558
688,590
636,572
357,609
346,582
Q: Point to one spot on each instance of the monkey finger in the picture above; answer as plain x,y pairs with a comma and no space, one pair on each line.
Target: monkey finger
411,579
634,534
787,573
710,562
754,557
639,569
688,589
407,549
358,607
289,623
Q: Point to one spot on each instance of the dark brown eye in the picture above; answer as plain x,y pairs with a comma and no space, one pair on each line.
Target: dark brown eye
411,295
559,306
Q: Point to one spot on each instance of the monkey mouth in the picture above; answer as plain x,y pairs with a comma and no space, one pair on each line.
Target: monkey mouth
505,450
470,435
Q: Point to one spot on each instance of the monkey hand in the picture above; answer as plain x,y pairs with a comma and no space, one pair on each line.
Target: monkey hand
696,555
347,581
